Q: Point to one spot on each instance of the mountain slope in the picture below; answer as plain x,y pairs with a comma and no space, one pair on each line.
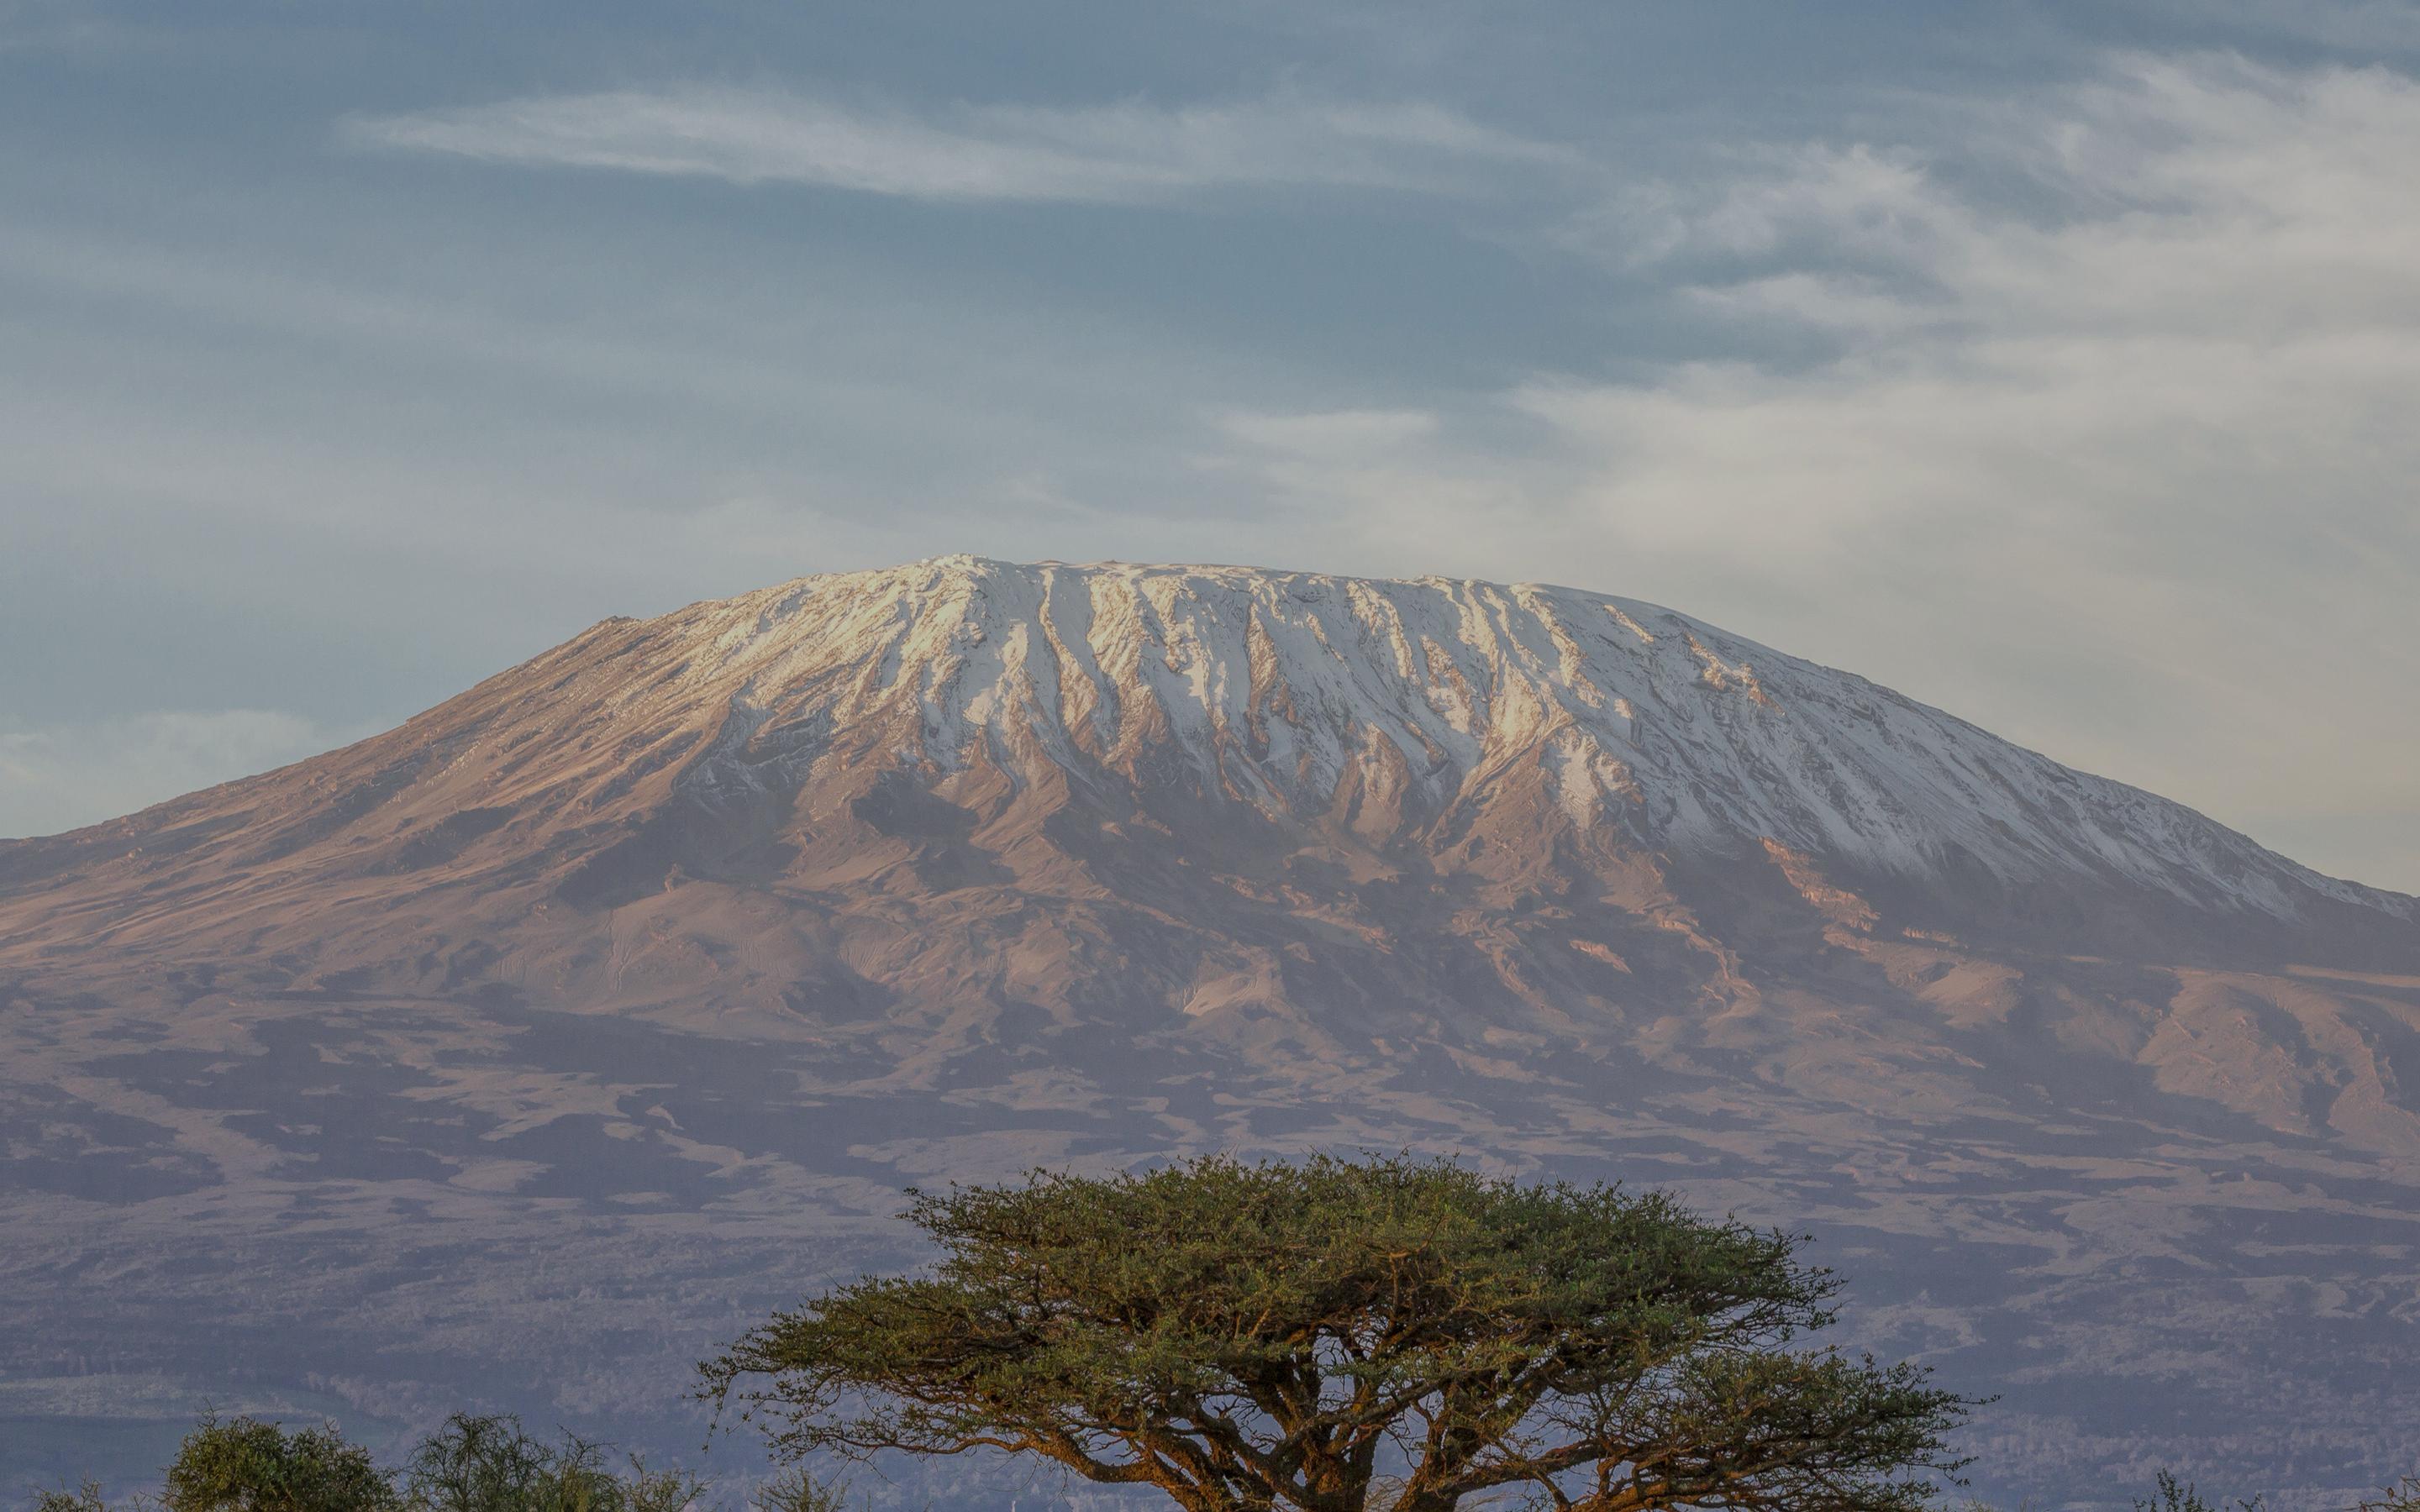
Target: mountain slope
1051,727
698,936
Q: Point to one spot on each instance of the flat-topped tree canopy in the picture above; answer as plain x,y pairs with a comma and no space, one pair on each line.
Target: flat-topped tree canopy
1341,1334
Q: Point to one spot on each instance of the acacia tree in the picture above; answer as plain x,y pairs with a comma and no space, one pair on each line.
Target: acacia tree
1347,1335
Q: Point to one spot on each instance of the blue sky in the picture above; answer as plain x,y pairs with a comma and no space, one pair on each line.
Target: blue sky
2053,363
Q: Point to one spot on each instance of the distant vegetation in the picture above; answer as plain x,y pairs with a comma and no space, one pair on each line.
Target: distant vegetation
2171,1494
473,1464
1329,1336
491,1464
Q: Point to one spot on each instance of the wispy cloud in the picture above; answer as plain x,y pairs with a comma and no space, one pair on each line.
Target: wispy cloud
2207,309
2126,428
1124,153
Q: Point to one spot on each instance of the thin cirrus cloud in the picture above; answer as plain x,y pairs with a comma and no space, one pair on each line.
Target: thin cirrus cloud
1118,154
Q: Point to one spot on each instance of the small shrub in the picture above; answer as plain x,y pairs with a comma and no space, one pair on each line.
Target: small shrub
84,1498
2174,1495
795,1490
659,1490
247,1465
493,1464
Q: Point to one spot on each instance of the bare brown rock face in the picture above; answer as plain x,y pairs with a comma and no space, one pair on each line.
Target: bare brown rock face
507,1054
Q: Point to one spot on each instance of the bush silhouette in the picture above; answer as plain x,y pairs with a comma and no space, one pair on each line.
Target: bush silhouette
473,1464
245,1465
491,1464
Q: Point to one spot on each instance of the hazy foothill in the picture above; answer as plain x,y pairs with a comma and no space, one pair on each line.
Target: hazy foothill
1338,1336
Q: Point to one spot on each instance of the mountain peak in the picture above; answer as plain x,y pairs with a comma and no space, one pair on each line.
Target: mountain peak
963,728
1278,692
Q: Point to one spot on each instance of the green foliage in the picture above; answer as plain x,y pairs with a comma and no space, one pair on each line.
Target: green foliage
473,1464
795,1490
245,1465
84,1498
2172,1495
661,1491
490,1464
478,1465
1340,1335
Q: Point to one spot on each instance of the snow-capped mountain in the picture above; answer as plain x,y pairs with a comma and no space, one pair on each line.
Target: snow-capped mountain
1058,724
662,960
1398,708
